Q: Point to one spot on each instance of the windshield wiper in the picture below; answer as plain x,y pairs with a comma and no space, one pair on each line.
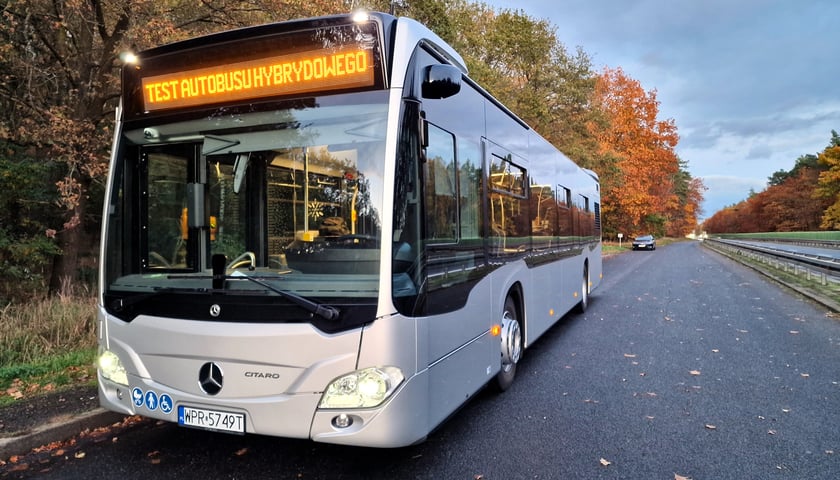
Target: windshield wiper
219,264
326,312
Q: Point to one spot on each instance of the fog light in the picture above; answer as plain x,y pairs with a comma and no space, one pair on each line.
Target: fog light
342,421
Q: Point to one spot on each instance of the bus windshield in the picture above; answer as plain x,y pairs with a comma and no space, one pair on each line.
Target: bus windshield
291,196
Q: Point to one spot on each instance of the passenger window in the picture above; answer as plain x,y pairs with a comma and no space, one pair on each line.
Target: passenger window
441,194
507,177
469,181
509,217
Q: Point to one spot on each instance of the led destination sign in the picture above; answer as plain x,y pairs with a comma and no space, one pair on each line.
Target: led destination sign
303,72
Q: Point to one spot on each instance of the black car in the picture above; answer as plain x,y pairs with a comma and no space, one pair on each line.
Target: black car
645,242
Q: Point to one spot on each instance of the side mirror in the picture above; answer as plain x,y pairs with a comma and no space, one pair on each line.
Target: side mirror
441,81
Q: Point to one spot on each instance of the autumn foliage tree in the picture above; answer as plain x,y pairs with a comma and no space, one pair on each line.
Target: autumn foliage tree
829,183
647,189
802,199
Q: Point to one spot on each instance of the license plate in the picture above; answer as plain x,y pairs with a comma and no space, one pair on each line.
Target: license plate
211,419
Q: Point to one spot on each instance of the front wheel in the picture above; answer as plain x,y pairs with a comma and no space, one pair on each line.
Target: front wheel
511,338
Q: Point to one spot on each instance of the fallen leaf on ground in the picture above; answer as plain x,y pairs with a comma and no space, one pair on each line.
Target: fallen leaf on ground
19,467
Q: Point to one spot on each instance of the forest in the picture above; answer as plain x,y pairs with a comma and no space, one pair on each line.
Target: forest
59,88
806,198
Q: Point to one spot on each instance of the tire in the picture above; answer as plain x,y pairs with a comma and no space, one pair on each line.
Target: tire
512,352
583,304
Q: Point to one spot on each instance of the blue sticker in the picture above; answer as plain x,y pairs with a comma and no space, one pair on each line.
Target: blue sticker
165,403
137,396
151,400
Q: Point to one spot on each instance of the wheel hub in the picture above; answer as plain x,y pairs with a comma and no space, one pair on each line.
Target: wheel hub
511,340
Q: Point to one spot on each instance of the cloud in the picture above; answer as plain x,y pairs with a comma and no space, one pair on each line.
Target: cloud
724,191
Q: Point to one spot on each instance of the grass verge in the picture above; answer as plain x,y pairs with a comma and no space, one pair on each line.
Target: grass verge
46,345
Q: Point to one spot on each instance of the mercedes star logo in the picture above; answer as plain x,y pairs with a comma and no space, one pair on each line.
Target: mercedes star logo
215,310
210,378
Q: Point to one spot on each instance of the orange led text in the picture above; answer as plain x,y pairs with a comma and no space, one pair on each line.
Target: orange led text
288,74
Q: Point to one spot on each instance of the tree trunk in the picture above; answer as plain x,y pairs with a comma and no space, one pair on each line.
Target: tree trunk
65,265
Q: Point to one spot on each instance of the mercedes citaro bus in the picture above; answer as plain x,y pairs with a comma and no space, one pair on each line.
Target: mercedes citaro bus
324,229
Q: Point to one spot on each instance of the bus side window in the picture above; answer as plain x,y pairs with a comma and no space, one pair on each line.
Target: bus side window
440,187
469,184
509,220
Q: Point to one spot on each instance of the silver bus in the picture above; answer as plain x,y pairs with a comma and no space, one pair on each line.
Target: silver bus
324,229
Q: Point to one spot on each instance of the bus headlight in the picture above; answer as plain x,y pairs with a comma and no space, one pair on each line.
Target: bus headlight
362,388
111,367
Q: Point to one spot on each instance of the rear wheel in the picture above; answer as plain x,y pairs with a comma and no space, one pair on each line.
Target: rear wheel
511,338
584,292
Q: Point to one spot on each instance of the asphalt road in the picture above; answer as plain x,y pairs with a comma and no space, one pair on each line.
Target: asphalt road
685,365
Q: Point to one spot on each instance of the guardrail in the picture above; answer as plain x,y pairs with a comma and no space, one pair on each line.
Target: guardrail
821,268
808,239
821,274
835,244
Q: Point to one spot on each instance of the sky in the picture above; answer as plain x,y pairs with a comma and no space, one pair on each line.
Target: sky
752,85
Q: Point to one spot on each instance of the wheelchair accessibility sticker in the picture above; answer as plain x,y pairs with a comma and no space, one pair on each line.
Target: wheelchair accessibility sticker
151,400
